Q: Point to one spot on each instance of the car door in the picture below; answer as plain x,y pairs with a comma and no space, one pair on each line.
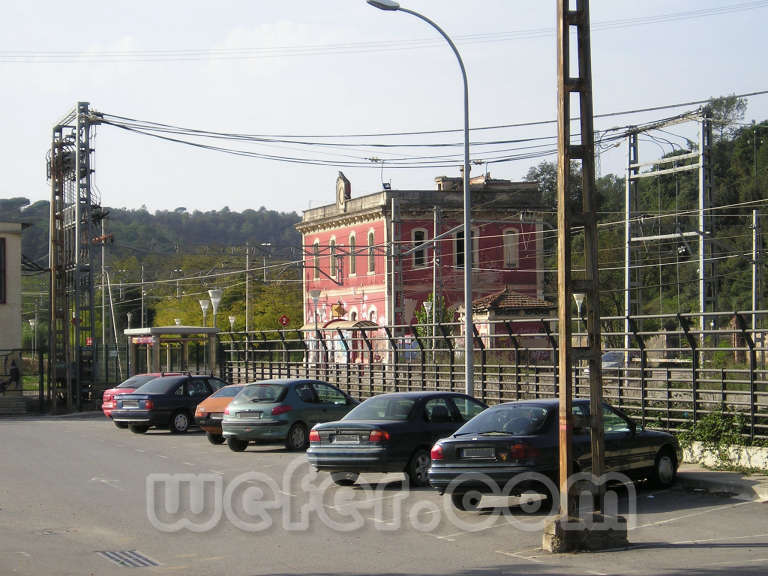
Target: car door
440,419
308,408
331,401
620,449
196,390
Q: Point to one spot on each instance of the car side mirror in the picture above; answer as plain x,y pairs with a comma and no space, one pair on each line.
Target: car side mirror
632,427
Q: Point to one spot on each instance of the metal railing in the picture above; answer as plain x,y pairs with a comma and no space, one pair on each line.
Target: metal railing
671,375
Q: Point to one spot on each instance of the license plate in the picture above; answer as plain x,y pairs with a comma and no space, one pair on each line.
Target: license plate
346,439
249,414
130,404
477,453
217,415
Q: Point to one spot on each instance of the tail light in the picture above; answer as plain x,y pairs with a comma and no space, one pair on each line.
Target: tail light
437,452
314,437
378,436
226,411
282,409
522,452
148,404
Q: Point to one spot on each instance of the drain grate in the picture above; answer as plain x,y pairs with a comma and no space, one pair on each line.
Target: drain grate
127,558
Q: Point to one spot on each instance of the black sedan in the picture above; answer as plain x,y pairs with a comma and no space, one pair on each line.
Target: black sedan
518,437
389,433
169,401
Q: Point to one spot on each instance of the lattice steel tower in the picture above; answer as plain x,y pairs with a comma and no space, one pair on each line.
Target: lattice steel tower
74,216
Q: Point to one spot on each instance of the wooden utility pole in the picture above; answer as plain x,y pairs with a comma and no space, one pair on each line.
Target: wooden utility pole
563,534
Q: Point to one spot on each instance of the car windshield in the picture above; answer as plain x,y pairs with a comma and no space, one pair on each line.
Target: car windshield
382,408
161,385
263,393
514,419
227,392
136,381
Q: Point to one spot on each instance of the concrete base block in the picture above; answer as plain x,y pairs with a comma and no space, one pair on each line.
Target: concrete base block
594,532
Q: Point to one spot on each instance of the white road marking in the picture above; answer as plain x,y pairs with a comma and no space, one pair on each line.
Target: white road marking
701,513
109,482
189,463
162,456
721,539
139,450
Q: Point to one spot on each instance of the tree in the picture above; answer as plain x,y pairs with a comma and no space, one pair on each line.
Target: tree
726,111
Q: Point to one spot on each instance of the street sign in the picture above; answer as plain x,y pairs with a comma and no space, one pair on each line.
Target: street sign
284,320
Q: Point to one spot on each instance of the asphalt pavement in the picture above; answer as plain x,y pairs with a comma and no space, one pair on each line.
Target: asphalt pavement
79,496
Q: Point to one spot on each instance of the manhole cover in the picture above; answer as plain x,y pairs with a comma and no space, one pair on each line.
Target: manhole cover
127,558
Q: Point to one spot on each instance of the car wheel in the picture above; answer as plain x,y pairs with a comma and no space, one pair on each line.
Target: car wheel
139,429
237,445
121,425
467,501
298,437
344,478
664,469
418,467
179,422
214,438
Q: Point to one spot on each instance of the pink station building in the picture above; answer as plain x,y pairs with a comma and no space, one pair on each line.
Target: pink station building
369,260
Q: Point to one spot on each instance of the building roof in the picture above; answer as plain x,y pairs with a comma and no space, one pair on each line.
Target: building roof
508,299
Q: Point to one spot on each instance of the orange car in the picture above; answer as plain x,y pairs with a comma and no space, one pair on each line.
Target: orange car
211,410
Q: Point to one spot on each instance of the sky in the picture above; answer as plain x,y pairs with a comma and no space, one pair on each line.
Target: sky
340,68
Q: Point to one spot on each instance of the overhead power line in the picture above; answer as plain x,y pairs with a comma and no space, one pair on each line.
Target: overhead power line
197,54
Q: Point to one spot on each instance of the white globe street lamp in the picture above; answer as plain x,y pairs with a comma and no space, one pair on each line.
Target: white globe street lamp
204,304
215,295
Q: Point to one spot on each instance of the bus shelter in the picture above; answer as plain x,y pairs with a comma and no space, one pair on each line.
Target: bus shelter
158,343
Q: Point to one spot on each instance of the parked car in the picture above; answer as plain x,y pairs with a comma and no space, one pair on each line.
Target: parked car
517,437
389,433
126,387
168,401
281,410
210,412
611,361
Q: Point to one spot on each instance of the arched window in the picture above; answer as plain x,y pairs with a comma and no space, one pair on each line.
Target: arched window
419,237
333,267
371,253
352,255
316,258
511,248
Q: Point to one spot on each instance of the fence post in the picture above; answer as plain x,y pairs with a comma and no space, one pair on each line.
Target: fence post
752,367
685,325
285,360
483,358
322,358
422,353
516,346
395,358
451,355
643,361
553,344
304,347
370,361
347,355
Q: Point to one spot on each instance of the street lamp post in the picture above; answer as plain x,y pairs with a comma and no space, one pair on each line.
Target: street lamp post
215,295
204,304
428,307
390,5
33,325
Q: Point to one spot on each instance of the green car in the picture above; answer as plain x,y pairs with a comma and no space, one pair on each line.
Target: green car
282,410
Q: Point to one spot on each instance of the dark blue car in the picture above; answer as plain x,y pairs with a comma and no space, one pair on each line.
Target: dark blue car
389,433
509,441
166,402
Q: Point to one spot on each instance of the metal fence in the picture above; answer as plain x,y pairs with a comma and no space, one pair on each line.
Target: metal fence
670,376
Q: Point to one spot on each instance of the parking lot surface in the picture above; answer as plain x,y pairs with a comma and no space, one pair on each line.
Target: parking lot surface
79,496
